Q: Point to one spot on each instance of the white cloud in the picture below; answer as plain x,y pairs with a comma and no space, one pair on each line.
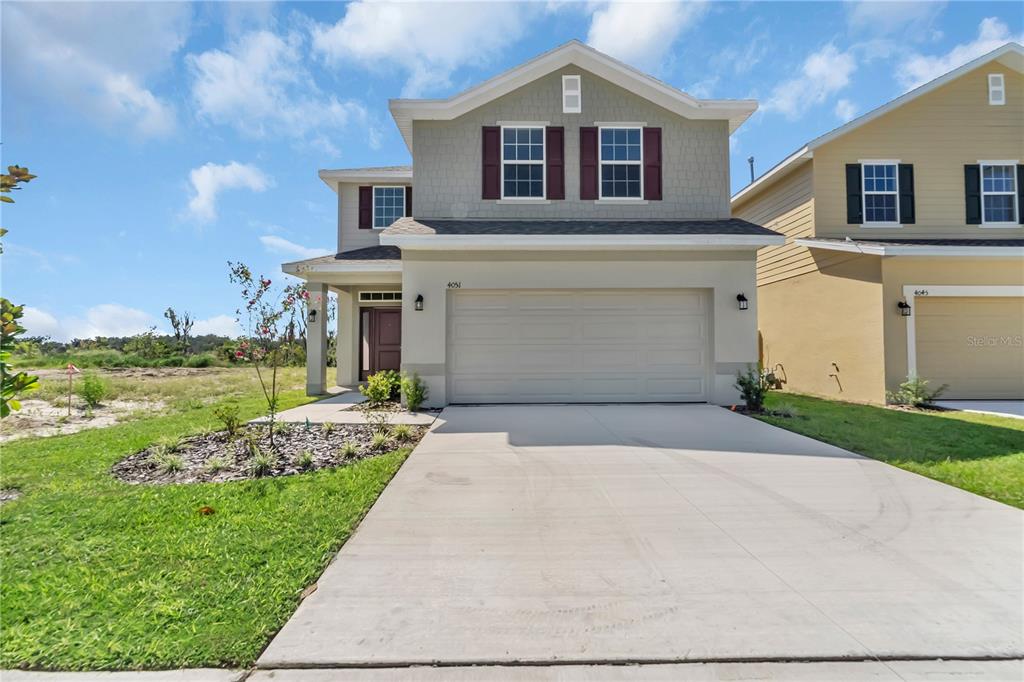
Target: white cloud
884,17
641,33
919,69
823,74
211,179
220,325
280,245
429,40
261,86
94,59
107,319
845,110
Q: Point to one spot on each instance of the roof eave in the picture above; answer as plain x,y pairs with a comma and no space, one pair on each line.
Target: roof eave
331,178
922,250
520,242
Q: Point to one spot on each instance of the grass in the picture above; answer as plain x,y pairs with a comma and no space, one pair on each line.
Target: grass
980,453
99,574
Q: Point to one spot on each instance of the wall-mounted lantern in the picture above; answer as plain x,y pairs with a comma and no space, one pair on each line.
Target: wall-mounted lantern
312,315
419,302
741,299
904,308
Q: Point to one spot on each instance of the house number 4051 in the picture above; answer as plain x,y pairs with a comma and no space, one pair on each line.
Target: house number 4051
454,285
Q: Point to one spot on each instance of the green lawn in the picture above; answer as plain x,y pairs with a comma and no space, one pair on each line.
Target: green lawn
976,452
98,574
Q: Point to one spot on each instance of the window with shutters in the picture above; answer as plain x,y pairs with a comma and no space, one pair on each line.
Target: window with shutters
881,193
621,157
572,94
388,205
522,162
998,193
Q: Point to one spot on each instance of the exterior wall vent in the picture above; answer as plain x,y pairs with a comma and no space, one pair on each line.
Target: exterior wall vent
572,94
996,89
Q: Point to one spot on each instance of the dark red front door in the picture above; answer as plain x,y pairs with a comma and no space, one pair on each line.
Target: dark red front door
385,339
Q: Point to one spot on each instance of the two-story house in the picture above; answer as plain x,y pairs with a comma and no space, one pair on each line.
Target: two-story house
563,235
904,252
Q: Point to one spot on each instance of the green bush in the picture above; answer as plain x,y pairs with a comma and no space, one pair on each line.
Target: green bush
349,449
753,386
262,464
401,432
204,360
381,440
304,460
414,390
168,462
228,414
382,386
92,389
914,392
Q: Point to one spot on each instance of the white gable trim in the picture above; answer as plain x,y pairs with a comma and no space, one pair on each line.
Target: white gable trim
405,111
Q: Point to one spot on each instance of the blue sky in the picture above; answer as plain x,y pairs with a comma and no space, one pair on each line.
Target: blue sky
169,138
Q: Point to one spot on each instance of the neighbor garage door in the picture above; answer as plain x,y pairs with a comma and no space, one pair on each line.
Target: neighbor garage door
972,344
577,346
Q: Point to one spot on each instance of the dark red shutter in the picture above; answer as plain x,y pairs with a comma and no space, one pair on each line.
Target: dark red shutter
365,208
588,163
652,164
491,177
408,200
556,162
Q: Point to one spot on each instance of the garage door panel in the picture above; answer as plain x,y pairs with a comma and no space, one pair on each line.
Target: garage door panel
973,344
575,346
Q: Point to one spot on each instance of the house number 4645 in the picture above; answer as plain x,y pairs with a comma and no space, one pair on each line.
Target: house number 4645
454,285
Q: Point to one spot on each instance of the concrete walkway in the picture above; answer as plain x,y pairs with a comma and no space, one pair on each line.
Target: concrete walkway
597,534
337,409
1002,408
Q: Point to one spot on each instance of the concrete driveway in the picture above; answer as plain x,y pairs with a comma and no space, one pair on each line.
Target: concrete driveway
649,533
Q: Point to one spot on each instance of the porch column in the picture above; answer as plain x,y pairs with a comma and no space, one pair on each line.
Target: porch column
316,339
347,352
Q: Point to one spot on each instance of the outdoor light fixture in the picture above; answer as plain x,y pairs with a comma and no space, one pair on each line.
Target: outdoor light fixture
904,308
742,300
312,315
419,302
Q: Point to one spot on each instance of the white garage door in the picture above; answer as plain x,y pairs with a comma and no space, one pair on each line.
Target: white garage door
527,346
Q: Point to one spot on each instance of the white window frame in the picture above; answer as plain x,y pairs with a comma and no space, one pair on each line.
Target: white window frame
996,89
366,297
576,83
1013,194
864,193
600,161
373,199
543,162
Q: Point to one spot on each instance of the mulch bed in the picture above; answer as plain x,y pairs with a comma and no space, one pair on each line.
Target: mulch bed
8,494
192,454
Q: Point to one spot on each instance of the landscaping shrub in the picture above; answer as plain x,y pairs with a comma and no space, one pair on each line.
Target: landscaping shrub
349,449
228,415
414,390
168,462
753,386
304,460
381,440
204,360
914,392
92,389
381,387
217,463
262,464
401,432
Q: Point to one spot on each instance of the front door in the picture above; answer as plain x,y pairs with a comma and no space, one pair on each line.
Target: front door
382,337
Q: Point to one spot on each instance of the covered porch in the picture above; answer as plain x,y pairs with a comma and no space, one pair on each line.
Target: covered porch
368,324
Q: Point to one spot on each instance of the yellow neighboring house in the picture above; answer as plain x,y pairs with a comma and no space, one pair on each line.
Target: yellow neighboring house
904,251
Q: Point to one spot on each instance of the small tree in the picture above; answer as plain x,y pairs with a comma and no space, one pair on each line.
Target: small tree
263,319
753,386
182,327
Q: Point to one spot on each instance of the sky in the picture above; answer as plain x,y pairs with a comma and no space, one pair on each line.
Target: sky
171,138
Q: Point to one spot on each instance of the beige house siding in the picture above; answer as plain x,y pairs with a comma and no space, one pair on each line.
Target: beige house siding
787,208
938,133
350,237
822,331
900,271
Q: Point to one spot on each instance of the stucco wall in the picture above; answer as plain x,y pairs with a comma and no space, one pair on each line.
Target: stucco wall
938,133
823,332
734,332
901,271
695,156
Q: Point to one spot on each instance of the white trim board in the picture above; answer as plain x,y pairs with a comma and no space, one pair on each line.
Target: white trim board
911,292
520,242
876,249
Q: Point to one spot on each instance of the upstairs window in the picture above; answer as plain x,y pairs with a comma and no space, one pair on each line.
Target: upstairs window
996,89
881,194
388,206
999,193
522,162
621,163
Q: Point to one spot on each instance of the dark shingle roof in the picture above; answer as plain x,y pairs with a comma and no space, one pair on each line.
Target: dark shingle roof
926,242
370,253
429,226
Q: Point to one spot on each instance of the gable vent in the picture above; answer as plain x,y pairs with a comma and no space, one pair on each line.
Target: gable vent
996,89
572,94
